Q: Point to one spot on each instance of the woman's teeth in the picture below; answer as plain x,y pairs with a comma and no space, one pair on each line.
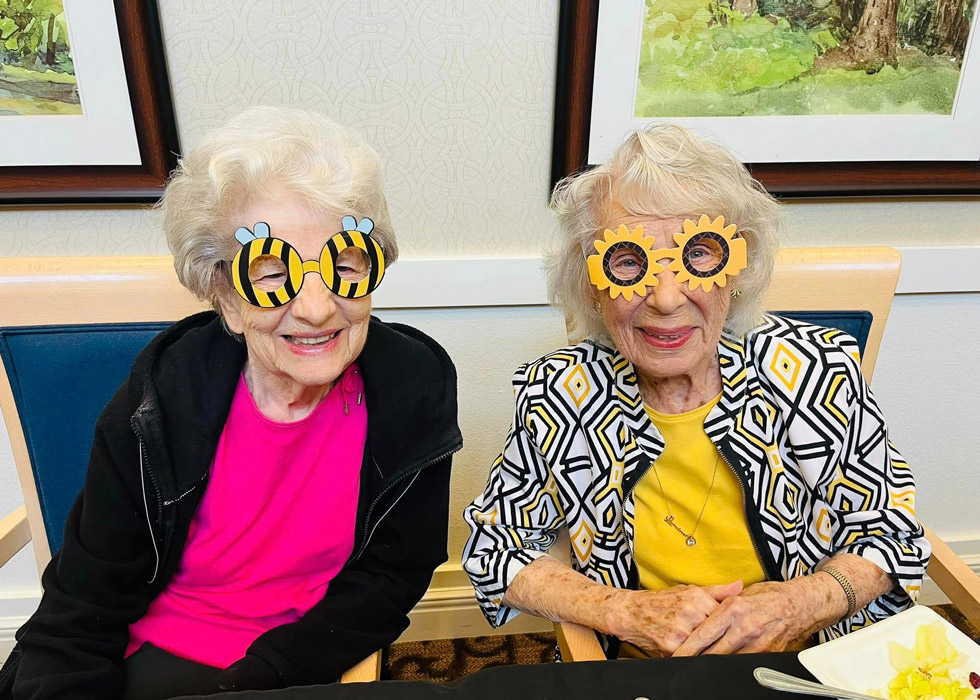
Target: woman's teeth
313,341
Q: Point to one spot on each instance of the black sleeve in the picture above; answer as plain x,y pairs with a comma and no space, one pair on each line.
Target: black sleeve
367,604
95,586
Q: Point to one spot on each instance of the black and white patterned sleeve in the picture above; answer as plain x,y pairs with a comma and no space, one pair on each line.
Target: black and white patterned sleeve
872,499
503,536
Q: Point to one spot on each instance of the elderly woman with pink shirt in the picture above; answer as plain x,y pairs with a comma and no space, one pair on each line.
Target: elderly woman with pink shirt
268,492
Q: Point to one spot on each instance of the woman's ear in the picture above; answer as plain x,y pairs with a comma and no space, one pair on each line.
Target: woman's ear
230,307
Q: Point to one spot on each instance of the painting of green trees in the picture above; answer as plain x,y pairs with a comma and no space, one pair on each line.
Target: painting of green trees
37,75
801,57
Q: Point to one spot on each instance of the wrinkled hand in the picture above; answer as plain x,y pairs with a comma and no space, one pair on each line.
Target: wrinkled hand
767,616
660,621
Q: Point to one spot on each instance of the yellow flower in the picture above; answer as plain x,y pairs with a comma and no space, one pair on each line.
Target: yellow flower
731,253
611,243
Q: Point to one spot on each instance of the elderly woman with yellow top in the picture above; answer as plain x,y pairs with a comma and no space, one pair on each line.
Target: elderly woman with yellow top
725,476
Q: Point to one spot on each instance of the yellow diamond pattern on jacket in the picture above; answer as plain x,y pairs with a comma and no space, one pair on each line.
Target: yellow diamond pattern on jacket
781,496
824,529
582,540
786,366
578,386
851,495
904,499
832,397
544,508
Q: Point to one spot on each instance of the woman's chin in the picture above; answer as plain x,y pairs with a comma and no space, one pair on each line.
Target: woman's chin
666,367
668,362
311,370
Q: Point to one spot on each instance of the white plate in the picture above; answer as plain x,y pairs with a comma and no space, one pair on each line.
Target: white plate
859,661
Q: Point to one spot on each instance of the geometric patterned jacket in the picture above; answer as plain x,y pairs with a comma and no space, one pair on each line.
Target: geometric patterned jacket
796,422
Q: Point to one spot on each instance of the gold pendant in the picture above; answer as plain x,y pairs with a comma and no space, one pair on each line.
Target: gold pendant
669,519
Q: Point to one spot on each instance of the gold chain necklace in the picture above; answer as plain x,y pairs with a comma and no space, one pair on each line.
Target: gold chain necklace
669,518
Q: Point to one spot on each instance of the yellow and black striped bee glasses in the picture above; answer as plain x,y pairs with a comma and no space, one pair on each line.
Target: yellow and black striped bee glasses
268,272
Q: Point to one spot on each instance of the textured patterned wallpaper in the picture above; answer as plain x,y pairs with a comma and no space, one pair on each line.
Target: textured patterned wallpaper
456,95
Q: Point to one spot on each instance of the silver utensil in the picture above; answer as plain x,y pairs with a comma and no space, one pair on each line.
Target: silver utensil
791,684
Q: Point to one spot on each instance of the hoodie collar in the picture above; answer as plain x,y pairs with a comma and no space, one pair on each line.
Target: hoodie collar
190,371
410,389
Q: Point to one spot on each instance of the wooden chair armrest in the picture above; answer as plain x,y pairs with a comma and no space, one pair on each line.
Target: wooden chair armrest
364,672
15,533
578,643
955,578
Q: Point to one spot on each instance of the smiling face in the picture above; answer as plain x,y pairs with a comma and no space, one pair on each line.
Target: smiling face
307,343
673,331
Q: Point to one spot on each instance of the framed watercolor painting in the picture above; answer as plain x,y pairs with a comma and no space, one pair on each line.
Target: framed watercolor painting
818,97
85,108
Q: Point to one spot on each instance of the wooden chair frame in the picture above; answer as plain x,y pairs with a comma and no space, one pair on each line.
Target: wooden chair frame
86,291
830,279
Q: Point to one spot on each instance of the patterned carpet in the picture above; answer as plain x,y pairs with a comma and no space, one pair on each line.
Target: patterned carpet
447,659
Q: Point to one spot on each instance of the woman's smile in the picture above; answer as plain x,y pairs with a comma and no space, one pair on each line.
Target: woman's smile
667,338
317,343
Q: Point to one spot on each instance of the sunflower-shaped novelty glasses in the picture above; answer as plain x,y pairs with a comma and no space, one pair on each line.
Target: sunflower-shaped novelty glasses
268,272
707,253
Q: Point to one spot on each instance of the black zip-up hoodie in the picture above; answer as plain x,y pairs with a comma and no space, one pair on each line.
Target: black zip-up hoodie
148,471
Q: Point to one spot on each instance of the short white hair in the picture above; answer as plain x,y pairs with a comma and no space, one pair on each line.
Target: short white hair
326,165
662,171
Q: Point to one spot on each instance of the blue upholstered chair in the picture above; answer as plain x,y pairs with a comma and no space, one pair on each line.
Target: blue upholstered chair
61,377
69,331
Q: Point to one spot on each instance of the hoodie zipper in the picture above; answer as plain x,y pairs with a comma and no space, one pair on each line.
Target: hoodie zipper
414,475
745,510
144,470
186,493
629,540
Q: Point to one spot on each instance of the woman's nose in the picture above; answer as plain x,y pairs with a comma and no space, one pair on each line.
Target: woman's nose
667,296
315,303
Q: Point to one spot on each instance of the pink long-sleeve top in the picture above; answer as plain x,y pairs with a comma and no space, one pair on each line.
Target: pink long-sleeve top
274,527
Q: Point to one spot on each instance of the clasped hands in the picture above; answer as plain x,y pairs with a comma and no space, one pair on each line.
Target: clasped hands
728,619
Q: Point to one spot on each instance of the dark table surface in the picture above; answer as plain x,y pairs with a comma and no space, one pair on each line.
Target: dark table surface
697,678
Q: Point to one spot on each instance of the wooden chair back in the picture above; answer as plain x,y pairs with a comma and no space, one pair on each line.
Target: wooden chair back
67,293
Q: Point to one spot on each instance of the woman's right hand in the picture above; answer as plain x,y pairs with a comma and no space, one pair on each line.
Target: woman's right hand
660,621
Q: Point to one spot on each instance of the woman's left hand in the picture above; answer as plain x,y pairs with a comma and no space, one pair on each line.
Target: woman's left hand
767,616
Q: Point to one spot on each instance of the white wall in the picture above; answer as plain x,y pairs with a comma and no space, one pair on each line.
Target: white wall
927,381
457,96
